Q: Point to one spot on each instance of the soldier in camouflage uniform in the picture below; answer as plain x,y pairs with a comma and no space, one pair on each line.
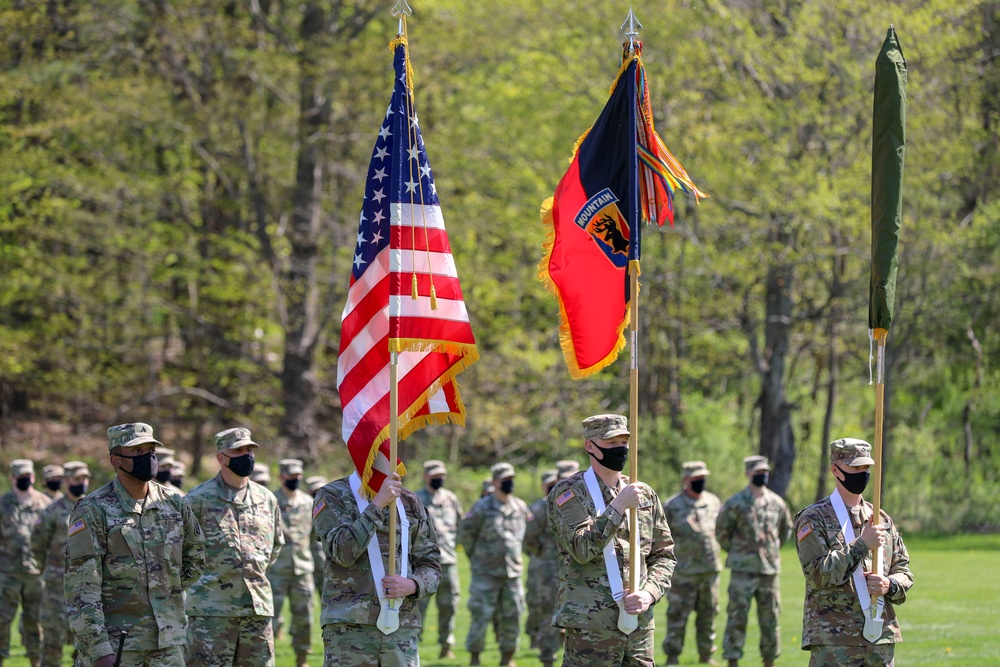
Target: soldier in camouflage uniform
585,606
691,515
48,541
132,547
229,608
177,473
752,526
444,510
314,484
53,475
833,620
164,465
20,584
491,534
543,570
292,574
351,604
261,474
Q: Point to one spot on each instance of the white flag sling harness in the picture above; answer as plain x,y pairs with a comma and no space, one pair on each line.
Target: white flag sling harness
873,617
626,622
388,617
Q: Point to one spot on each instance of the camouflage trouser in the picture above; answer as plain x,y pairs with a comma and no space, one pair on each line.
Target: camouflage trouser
533,624
503,596
54,621
869,655
549,637
230,641
172,656
609,648
698,593
24,590
299,590
744,587
447,600
352,645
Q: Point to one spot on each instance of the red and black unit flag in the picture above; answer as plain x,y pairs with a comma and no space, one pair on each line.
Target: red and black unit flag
404,297
620,173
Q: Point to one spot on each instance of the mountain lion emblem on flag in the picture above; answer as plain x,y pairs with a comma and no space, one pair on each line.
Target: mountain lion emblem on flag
602,219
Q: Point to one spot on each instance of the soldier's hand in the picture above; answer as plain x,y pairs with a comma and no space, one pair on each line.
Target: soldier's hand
874,536
636,603
627,498
106,661
392,487
877,584
398,587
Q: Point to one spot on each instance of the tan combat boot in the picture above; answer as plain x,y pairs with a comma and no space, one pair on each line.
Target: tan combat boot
734,663
474,660
673,659
301,660
768,662
706,659
446,652
507,659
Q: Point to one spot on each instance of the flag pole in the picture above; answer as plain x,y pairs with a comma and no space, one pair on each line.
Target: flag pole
631,28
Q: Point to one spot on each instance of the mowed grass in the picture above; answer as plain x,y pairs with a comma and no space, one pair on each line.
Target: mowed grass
952,617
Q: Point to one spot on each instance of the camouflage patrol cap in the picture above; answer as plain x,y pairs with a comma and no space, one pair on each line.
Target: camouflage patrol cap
52,471
434,467
604,426
131,435
550,476
178,469
165,457
261,473
76,469
695,469
851,452
233,438
22,467
502,470
488,486
566,468
755,463
316,482
290,467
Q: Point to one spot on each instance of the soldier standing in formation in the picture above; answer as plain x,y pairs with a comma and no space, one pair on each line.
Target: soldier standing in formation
537,526
752,526
53,475
164,465
492,533
132,548
314,484
691,515
445,510
261,474
352,598
177,473
229,608
49,544
20,583
834,539
291,575
586,512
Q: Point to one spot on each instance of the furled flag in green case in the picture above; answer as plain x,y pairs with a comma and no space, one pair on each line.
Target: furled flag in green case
888,146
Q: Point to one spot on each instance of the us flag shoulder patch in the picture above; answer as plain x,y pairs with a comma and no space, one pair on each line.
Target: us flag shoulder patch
319,507
804,532
76,527
565,497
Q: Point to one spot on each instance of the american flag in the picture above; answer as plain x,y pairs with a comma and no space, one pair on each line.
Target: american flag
402,251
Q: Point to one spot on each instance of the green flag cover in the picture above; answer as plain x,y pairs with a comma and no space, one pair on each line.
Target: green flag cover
888,146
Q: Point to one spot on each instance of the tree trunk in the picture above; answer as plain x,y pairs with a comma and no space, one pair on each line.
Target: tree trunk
777,441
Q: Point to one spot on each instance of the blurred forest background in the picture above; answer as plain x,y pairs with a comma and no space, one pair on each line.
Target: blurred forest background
180,182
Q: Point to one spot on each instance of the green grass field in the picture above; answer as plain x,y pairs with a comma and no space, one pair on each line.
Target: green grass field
952,617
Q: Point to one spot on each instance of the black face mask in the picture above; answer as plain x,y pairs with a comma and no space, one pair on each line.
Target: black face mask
53,484
163,476
176,482
614,457
855,482
760,479
23,483
144,466
437,483
292,484
507,486
77,490
697,485
242,466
